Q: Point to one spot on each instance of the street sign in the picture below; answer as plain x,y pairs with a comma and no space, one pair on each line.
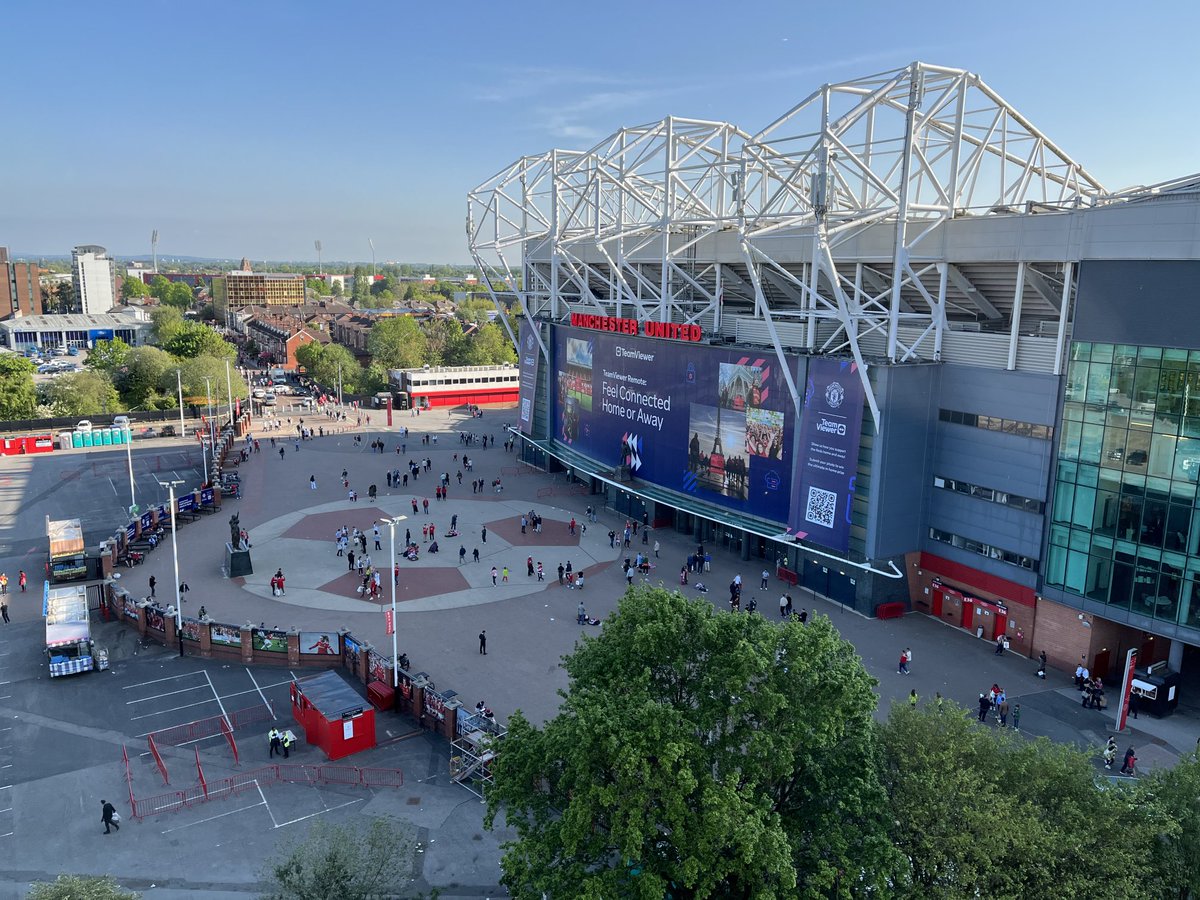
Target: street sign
391,624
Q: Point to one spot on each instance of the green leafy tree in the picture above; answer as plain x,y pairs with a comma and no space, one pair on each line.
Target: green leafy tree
475,309
1177,853
337,289
18,396
362,284
326,371
445,343
397,342
88,393
60,298
177,294
698,754
80,887
143,372
160,287
208,313
984,814
308,355
165,322
352,862
108,356
133,288
193,373
490,346
194,339
317,286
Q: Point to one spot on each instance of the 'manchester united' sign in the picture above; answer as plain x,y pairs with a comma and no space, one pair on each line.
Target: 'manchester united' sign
666,330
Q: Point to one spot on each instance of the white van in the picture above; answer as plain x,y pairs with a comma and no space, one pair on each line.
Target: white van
121,422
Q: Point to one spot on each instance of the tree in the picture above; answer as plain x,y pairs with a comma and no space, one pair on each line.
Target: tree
317,286
338,290
193,373
445,343
80,887
61,298
159,286
307,355
88,393
397,342
978,813
490,346
133,288
165,322
108,356
362,284
327,367
345,862
143,372
698,754
1177,792
194,339
177,294
18,397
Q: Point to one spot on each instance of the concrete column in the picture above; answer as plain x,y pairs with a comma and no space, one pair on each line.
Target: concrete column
745,545
1175,656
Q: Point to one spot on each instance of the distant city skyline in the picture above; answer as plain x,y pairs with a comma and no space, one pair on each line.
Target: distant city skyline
256,129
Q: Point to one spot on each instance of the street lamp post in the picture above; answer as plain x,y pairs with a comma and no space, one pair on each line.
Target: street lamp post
175,558
212,424
391,524
129,460
229,388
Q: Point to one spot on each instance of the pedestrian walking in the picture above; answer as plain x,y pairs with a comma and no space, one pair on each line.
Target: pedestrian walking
350,561
22,580
1041,672
541,573
153,582
1003,709
913,698
999,644
462,554
109,816
377,547
483,635
282,450
765,576
312,482
4,610
1129,764
984,705
905,656
504,574
475,553
529,566
494,573
561,570
656,549
1016,714
483,534
783,605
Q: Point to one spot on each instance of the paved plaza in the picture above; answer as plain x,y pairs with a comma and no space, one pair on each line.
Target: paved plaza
60,741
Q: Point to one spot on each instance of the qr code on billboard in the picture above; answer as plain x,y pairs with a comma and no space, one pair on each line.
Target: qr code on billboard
822,507
526,409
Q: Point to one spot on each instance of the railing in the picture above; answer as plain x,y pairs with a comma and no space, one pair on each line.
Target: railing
291,773
178,735
158,760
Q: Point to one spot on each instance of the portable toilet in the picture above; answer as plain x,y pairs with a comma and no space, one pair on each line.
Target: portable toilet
106,437
64,440
77,439
118,435
89,439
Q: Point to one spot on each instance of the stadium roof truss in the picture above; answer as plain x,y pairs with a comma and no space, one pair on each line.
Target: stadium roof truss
820,233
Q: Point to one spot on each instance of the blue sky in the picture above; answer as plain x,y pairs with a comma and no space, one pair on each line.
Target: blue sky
254,128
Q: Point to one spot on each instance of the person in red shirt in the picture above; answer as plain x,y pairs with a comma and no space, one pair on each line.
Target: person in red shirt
22,580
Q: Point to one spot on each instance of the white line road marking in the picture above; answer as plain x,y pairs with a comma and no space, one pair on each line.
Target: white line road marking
265,803
198,687
159,680
260,693
217,697
319,812
217,816
162,712
227,696
114,487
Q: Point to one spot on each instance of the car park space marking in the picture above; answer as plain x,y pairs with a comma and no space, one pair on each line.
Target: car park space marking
167,694
261,694
319,812
163,712
159,680
218,816
215,698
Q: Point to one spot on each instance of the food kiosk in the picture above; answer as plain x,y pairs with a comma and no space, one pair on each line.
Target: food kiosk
69,645
333,715
67,553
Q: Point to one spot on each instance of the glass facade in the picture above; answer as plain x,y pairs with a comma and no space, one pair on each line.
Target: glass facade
1125,526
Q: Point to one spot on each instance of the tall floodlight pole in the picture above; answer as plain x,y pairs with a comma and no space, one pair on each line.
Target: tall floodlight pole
179,384
317,244
129,460
391,524
229,388
154,248
175,558
372,243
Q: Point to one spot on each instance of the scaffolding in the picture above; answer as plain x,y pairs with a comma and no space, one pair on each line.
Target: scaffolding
476,743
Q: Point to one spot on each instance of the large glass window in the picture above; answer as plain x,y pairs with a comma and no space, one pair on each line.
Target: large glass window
1125,520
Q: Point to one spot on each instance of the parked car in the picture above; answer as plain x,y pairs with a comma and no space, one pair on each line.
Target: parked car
268,399
72,351
83,425
60,351
46,368
121,422
259,393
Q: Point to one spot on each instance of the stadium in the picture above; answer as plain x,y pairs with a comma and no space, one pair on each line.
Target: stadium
967,373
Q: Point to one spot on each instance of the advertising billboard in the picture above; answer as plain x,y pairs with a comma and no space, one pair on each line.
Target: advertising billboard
830,428
530,356
712,422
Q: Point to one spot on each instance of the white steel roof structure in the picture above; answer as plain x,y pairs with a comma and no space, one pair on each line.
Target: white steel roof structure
890,218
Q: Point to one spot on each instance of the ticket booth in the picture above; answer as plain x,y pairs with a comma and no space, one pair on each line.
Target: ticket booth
333,715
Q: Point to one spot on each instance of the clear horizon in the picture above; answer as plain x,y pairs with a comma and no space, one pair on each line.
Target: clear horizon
255,129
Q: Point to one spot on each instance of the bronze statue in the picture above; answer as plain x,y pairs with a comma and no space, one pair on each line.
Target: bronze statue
235,531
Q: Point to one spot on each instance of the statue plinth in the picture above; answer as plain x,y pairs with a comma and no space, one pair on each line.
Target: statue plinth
237,561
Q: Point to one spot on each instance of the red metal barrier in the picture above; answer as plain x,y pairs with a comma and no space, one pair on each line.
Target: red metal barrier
158,760
340,774
893,610
225,730
212,726
383,777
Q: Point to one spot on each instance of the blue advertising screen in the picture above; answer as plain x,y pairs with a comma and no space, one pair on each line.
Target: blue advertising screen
830,428
715,423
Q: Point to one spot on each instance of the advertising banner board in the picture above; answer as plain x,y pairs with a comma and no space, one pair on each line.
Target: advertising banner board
827,450
528,364
712,422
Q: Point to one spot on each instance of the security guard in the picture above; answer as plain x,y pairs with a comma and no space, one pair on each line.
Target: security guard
273,736
287,743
